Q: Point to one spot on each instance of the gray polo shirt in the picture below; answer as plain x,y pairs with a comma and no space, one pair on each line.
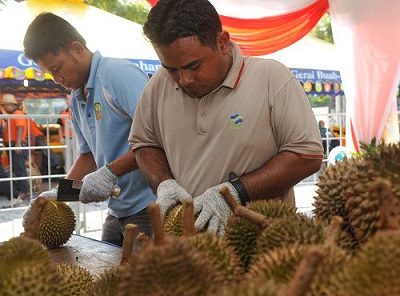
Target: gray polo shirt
259,110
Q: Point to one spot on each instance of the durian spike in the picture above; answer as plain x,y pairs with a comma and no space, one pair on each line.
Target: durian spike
127,244
300,284
188,218
33,221
241,211
156,224
383,189
334,230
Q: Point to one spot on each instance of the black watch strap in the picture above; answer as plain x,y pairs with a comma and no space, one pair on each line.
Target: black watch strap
235,181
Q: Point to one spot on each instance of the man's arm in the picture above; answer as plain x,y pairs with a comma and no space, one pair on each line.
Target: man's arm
154,165
124,164
83,165
279,174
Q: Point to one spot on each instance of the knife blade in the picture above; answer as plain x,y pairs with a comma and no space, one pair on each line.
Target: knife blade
68,190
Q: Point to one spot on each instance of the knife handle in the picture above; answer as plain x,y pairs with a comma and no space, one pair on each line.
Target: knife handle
116,192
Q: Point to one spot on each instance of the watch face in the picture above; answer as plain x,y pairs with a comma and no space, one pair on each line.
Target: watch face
233,177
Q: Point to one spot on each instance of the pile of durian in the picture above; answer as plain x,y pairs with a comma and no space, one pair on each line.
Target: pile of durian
349,247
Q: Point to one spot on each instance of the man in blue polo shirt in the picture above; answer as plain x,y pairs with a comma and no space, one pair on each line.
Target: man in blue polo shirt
104,94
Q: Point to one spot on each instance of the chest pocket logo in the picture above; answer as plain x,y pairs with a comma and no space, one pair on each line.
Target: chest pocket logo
97,111
236,121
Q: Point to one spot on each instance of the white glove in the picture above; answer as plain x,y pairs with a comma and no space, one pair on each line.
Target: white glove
211,207
98,186
169,194
47,194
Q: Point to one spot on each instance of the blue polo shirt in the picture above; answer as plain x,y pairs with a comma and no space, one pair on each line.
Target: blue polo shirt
102,124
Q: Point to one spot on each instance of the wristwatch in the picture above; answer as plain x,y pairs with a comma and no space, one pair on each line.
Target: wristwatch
238,185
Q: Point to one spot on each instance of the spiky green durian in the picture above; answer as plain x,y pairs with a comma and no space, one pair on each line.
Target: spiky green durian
280,265
346,189
362,200
289,230
242,234
374,270
253,287
26,269
32,279
175,268
57,223
217,251
173,223
78,278
21,249
107,283
329,201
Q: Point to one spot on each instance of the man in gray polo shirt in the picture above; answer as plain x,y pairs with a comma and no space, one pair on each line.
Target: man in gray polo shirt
210,115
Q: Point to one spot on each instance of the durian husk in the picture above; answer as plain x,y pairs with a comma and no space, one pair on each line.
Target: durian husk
281,264
175,268
78,278
329,201
107,283
217,252
346,189
33,279
242,234
173,223
57,223
374,269
254,287
168,265
20,249
26,269
290,230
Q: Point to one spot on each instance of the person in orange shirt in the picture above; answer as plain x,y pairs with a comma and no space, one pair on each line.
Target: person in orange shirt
64,133
39,139
15,135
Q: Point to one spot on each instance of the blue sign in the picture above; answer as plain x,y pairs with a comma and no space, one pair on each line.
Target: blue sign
15,58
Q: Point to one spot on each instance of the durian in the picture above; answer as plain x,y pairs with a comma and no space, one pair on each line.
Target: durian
168,266
242,234
374,269
107,283
346,189
57,223
26,269
78,278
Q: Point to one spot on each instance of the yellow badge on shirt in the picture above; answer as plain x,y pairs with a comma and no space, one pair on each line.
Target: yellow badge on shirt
97,110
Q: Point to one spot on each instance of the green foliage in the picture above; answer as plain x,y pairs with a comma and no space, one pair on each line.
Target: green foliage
320,100
135,11
323,30
366,149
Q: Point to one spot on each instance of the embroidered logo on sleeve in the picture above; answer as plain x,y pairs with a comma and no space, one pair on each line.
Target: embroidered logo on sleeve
97,110
236,121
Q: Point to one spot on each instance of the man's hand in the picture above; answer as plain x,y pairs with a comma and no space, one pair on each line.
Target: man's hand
47,194
169,194
98,186
211,207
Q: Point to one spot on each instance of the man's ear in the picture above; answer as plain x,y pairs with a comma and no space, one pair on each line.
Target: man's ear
223,42
77,47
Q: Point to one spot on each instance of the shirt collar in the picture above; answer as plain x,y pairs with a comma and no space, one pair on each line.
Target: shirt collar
93,69
235,72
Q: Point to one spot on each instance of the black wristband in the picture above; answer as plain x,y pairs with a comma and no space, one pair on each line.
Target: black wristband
241,190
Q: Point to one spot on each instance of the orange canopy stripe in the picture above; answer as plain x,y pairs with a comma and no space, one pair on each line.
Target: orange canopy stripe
260,36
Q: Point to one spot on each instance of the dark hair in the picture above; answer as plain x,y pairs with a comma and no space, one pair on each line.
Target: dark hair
49,33
169,20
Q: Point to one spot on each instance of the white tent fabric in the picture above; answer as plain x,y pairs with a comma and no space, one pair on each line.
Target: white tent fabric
258,8
308,53
111,34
